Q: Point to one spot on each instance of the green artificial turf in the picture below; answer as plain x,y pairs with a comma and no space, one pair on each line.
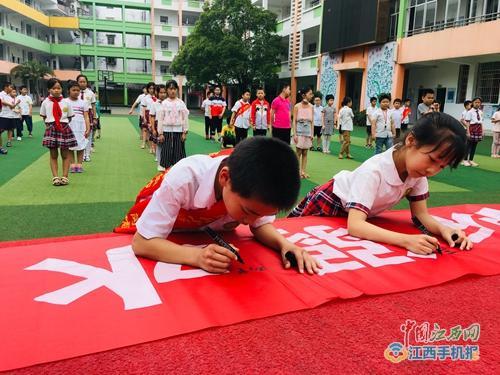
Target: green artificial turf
96,200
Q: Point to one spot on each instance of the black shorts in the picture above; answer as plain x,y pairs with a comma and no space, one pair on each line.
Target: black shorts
282,133
8,123
317,131
368,130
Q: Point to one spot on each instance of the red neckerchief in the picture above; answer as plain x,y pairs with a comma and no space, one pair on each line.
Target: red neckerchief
56,111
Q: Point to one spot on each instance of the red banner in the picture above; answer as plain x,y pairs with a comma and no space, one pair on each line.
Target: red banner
68,297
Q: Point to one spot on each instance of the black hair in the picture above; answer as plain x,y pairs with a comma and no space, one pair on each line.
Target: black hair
467,102
329,96
149,85
397,100
407,100
7,84
52,82
266,169
346,101
438,129
373,98
283,86
477,98
172,84
427,91
260,89
245,91
159,87
80,76
22,87
72,83
303,91
384,96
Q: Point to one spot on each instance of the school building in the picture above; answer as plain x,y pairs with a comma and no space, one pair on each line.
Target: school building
136,40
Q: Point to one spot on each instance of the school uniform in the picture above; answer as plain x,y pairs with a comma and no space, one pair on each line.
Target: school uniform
186,200
406,118
327,132
153,112
475,119
138,103
372,188
397,118
8,118
58,134
77,124
241,110
260,116
89,96
206,110
383,130
25,102
318,120
217,107
172,123
369,115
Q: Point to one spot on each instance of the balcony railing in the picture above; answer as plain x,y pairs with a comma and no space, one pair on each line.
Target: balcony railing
462,21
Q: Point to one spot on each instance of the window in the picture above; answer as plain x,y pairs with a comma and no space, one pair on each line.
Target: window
111,39
463,78
111,61
30,56
164,44
164,69
488,82
28,30
164,19
421,16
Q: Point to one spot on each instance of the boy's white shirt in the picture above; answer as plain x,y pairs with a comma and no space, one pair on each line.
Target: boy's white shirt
188,185
6,111
25,102
376,185
243,120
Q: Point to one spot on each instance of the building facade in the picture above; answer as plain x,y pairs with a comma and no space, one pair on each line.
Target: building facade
450,46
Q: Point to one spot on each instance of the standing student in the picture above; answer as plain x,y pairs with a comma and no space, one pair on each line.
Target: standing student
172,126
280,114
136,103
474,121
406,115
7,114
217,109
303,118
26,105
495,145
88,95
56,113
17,119
463,117
397,116
329,120
370,110
161,93
436,141
240,116
345,123
260,114
318,122
145,107
205,107
97,133
427,103
383,130
80,126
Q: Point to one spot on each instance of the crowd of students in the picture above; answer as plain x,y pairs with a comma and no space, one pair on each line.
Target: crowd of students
70,123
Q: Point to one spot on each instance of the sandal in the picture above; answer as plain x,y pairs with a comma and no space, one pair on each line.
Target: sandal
64,181
56,181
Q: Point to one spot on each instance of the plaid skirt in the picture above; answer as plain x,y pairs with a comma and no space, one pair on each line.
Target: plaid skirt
320,201
476,132
172,149
58,139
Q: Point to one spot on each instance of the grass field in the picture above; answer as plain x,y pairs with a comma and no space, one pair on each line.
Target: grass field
96,200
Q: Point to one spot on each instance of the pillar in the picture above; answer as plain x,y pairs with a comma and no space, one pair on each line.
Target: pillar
398,79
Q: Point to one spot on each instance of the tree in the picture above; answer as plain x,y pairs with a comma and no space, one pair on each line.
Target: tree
233,42
32,72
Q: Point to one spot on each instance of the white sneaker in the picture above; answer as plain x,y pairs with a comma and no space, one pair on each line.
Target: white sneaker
466,163
473,164
156,159
19,139
160,168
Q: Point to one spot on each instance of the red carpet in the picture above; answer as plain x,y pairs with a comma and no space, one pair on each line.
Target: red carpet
347,337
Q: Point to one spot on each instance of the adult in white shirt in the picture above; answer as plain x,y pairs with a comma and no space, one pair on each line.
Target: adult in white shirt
383,130
26,105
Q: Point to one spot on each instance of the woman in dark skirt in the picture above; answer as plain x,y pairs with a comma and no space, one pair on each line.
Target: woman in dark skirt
172,126
56,113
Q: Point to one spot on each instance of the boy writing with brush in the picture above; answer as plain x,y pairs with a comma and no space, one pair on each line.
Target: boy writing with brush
258,179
